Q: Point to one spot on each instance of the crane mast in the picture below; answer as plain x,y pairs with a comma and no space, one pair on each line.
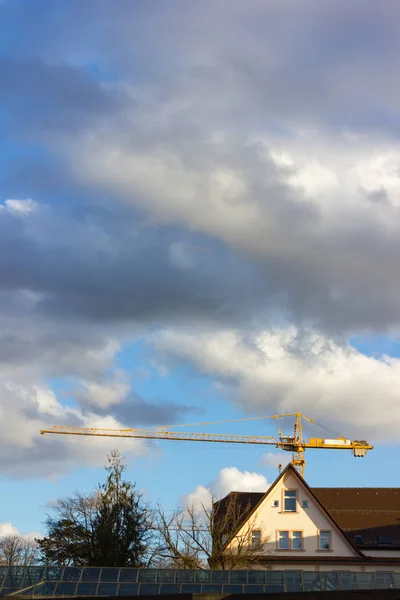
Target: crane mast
289,443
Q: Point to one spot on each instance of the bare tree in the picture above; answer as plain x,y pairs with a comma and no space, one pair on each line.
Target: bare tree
218,538
17,550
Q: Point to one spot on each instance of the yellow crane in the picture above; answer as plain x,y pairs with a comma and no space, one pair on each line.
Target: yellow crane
290,443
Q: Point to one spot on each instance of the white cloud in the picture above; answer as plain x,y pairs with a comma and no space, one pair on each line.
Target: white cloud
106,394
199,498
27,407
21,207
8,529
287,370
229,479
275,459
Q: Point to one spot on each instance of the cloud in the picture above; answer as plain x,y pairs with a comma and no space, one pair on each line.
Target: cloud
8,529
55,256
242,197
229,479
39,96
287,370
274,459
104,395
286,220
279,201
64,315
27,407
115,398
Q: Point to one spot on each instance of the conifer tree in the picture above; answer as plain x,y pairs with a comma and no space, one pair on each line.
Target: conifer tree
122,526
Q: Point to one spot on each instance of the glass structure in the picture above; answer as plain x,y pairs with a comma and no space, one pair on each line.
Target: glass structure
94,581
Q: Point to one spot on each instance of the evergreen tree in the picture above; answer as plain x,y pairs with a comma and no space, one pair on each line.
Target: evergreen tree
109,528
122,526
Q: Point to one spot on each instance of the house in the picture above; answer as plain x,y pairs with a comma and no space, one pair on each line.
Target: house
295,527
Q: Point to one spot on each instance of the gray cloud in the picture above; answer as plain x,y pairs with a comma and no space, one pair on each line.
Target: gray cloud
135,411
39,96
110,271
149,142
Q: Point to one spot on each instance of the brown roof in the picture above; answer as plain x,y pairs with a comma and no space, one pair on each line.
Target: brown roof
369,512
246,500
372,513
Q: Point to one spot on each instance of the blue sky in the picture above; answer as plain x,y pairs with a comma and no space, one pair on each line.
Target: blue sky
199,221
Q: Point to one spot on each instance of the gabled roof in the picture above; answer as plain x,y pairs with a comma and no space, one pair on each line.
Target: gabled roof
370,512
381,506
255,500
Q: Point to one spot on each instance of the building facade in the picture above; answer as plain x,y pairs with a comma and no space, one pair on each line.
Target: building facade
322,529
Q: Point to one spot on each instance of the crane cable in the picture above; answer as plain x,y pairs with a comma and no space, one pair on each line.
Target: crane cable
240,421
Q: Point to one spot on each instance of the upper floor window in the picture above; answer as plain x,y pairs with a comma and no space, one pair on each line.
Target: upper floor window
283,540
384,539
325,542
290,540
290,500
304,503
255,538
358,539
297,540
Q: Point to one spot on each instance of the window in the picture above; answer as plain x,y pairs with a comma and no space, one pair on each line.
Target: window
297,540
358,539
283,540
290,500
325,540
304,503
275,503
256,538
384,539
290,540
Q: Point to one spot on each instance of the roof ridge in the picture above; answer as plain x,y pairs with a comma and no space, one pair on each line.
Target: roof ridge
236,492
353,488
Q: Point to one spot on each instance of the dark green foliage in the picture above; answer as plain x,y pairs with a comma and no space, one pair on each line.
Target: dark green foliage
65,544
70,532
109,528
122,526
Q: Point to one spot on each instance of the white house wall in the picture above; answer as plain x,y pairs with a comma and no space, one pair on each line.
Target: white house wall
348,566
382,553
270,520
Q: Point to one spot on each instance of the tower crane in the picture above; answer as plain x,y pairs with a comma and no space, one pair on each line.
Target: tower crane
293,443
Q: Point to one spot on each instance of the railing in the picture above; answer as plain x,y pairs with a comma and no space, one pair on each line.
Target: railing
106,581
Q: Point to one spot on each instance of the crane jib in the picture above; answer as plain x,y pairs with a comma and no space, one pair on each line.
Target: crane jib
290,443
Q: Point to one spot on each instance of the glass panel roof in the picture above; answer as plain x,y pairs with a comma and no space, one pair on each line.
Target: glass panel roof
42,582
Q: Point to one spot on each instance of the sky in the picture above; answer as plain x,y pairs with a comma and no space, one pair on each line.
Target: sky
199,221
